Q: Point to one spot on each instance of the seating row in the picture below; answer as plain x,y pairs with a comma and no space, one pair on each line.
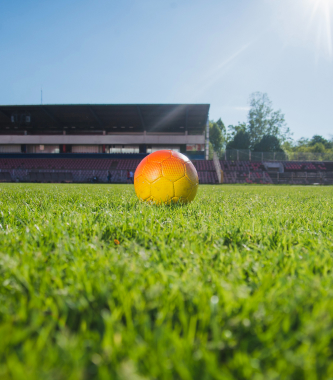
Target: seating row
304,166
131,164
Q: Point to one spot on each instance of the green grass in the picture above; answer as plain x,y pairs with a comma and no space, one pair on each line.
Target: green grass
236,285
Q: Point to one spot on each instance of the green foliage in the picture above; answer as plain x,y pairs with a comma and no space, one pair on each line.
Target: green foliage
221,126
241,140
316,139
317,147
211,151
233,130
217,133
263,120
215,137
268,143
236,285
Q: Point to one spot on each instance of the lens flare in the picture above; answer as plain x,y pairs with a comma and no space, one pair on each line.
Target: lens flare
321,15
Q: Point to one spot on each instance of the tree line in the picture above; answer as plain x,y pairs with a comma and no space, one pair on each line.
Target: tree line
265,131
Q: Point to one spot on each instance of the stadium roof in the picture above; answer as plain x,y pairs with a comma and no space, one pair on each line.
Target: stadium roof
108,117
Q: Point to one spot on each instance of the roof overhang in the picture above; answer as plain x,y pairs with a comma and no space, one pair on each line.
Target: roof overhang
73,118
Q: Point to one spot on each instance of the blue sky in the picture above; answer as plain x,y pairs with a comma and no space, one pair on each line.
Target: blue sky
173,51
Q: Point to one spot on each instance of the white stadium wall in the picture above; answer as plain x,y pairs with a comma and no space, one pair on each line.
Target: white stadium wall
125,139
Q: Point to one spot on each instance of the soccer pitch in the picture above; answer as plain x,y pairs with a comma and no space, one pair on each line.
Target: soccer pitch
236,285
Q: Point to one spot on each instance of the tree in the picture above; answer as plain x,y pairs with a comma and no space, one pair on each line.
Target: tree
221,125
217,133
317,144
303,142
211,151
318,148
241,140
317,139
215,137
263,120
268,143
234,129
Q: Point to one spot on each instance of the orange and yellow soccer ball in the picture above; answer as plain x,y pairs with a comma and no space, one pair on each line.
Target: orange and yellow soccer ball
166,176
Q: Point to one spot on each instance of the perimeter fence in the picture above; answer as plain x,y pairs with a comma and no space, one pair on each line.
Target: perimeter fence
58,175
247,155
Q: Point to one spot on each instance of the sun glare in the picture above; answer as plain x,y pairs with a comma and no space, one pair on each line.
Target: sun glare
321,5
321,11
323,2
307,23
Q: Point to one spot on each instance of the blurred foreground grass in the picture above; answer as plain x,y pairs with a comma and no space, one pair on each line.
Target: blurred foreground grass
236,285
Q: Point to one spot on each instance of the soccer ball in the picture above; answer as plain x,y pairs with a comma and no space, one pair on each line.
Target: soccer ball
166,176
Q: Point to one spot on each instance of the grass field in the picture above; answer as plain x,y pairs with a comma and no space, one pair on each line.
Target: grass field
236,285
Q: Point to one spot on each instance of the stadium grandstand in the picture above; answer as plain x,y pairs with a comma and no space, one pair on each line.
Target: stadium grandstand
102,143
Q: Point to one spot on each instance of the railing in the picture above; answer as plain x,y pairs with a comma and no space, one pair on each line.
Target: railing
217,167
302,178
247,155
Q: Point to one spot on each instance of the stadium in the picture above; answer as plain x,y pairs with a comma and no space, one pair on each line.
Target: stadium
166,190
101,143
